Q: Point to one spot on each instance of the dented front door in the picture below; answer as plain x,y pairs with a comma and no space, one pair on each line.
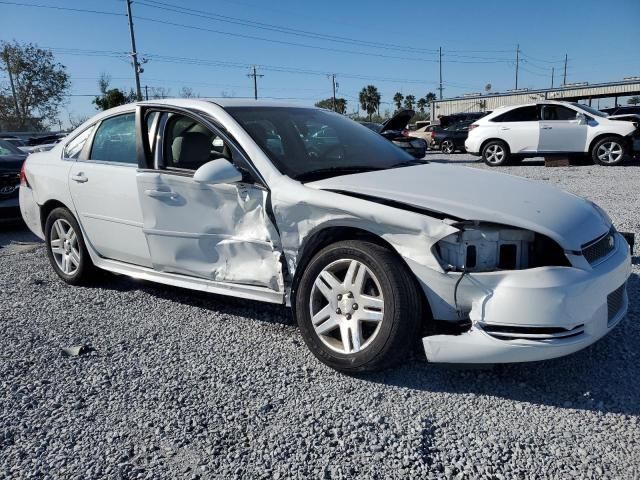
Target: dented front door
217,232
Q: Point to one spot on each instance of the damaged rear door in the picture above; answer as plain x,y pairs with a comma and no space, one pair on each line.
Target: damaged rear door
219,232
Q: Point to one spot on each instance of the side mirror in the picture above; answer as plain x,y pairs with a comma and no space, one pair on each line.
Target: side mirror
217,171
582,118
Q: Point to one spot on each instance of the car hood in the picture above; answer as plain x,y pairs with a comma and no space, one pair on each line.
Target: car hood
399,121
474,194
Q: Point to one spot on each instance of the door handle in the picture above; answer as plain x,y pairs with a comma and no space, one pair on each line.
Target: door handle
505,128
546,128
161,194
80,178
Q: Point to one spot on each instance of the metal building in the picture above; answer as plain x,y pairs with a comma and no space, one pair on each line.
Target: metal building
477,102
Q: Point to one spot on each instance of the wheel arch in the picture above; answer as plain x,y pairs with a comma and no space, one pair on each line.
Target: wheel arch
47,207
599,137
336,233
494,139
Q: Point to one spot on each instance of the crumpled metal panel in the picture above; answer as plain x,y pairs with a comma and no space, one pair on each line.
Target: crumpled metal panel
217,232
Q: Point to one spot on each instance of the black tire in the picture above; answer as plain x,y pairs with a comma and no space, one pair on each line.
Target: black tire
400,315
85,271
496,153
448,146
615,145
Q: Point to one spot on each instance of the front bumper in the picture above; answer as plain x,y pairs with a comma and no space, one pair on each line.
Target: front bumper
546,299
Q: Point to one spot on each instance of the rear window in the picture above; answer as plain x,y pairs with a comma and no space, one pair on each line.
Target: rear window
522,114
115,140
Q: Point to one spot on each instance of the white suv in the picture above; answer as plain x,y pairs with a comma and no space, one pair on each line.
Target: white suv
548,128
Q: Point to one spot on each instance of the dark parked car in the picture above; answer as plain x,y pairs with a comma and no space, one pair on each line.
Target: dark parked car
395,130
451,138
625,110
11,160
464,117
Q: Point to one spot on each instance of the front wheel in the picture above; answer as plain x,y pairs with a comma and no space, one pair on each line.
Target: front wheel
448,146
66,249
609,151
357,307
495,153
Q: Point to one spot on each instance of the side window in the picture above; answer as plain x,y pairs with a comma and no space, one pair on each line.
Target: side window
188,145
557,112
75,146
522,114
115,140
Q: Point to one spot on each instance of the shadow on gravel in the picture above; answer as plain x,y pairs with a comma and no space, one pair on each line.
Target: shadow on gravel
603,377
15,232
265,312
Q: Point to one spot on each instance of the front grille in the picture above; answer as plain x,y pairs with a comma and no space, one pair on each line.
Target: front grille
615,301
508,332
600,247
9,184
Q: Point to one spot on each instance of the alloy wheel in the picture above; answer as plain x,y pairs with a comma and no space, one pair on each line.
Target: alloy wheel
64,246
447,146
494,154
610,152
346,306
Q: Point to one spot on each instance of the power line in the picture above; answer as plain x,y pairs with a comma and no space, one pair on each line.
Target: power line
277,28
68,9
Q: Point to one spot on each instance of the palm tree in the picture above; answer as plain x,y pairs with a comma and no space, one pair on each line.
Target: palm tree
422,104
409,100
370,99
397,99
631,101
430,97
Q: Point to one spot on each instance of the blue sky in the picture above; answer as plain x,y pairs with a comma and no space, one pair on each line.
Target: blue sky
478,39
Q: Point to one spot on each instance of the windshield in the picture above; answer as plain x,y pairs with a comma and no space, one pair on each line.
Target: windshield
309,144
7,148
590,110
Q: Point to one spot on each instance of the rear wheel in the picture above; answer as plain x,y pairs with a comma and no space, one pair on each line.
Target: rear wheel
66,249
357,307
448,146
609,151
496,153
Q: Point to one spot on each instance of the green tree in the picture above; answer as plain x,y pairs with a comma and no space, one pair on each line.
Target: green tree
430,97
111,97
39,82
397,99
422,104
409,101
370,99
634,100
341,104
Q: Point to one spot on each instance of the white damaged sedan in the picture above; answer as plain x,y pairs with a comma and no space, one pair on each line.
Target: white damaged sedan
372,249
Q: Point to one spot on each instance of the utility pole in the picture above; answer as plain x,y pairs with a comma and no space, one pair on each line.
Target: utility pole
553,69
517,63
255,81
146,92
134,53
13,88
333,82
564,80
440,87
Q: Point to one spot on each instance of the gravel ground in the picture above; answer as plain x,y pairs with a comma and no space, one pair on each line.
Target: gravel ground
187,385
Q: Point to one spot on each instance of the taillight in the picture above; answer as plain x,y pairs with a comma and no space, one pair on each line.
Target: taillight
472,126
23,175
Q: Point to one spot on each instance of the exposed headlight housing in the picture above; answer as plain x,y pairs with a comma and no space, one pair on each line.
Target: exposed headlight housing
479,247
